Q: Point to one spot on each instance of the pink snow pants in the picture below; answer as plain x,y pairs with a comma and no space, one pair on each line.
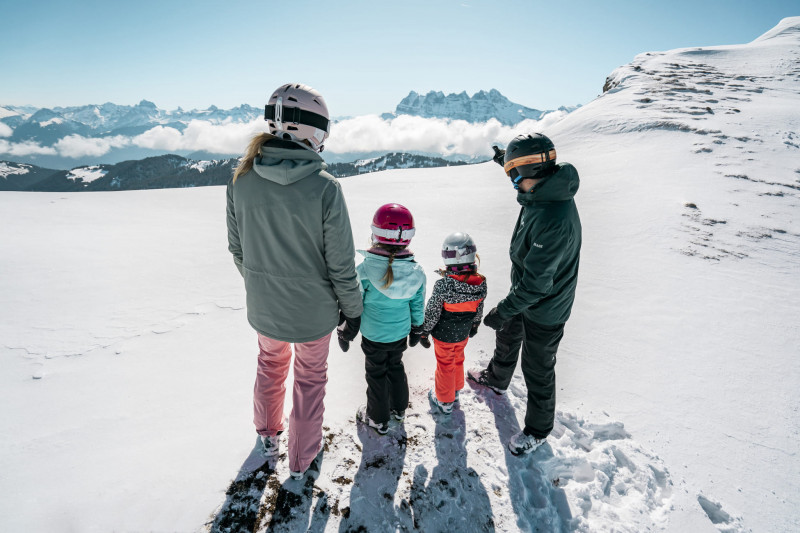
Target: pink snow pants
310,377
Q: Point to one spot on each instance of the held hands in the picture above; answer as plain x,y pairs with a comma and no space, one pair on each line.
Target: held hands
347,330
499,155
425,342
493,320
415,335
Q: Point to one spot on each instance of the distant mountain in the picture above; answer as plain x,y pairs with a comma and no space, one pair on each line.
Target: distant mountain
390,161
47,126
21,177
480,107
173,171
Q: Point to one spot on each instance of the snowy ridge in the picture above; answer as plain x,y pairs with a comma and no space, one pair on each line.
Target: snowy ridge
7,112
86,174
7,169
741,107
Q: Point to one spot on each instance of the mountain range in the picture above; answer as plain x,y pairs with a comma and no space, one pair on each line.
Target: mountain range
173,171
65,137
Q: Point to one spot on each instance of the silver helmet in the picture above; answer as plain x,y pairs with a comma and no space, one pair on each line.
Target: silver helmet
459,251
299,113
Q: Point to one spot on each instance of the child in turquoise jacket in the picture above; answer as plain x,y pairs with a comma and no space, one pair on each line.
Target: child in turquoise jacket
393,292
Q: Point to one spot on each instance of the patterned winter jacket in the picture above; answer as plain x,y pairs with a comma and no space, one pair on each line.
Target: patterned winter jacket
455,305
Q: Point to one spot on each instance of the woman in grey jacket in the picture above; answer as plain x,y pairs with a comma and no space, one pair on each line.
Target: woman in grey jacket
289,233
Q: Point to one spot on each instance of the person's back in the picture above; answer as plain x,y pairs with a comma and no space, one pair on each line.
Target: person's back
393,291
290,237
284,208
388,310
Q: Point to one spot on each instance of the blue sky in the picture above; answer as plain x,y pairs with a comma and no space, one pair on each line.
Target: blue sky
364,56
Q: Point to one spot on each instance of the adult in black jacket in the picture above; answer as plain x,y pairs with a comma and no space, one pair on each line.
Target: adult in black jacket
545,253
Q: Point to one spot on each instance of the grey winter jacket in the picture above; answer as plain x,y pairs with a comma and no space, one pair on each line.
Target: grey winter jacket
289,233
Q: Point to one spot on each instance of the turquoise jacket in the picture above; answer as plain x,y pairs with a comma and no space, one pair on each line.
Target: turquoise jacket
389,313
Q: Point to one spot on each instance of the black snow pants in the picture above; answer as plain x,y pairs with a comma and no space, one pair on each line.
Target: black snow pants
539,346
387,385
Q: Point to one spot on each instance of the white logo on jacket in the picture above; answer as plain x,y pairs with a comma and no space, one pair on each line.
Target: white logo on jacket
538,245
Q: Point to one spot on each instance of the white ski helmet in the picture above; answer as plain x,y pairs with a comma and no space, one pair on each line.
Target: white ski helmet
297,112
459,251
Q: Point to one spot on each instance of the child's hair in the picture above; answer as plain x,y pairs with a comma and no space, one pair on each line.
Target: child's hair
393,249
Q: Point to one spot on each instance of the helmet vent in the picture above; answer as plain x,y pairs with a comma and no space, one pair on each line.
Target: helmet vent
291,98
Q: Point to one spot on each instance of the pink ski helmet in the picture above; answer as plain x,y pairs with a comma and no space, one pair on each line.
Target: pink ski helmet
297,112
392,224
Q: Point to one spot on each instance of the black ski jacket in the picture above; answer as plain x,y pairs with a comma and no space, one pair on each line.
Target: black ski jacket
545,251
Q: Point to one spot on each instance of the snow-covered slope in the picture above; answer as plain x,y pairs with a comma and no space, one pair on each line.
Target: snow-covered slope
127,363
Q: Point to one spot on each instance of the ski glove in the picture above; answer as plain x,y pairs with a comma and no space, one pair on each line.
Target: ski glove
343,344
499,156
414,336
348,327
425,341
493,319
474,329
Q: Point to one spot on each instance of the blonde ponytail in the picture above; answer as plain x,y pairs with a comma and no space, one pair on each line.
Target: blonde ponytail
253,151
388,277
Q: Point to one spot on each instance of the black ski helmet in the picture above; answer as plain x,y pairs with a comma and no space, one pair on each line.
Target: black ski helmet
528,156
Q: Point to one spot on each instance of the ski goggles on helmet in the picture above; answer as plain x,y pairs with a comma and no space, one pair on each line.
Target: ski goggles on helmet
535,159
395,234
280,114
461,252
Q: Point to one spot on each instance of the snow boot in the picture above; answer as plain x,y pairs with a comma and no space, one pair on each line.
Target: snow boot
520,443
380,428
270,445
479,376
398,415
444,407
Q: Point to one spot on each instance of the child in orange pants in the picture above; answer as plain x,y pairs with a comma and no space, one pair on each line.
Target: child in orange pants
452,316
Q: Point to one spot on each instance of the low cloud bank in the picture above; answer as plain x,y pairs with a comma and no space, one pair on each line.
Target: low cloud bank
369,133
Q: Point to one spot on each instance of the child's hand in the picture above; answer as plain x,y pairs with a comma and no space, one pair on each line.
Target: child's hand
414,336
425,341
474,329
343,344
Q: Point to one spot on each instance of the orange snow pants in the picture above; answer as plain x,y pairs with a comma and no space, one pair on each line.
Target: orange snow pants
449,369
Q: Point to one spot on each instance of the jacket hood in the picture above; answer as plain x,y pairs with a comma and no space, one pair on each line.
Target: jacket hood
408,275
286,162
472,289
559,186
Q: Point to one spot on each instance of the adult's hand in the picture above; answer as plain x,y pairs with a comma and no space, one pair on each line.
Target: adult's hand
493,319
348,327
499,156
